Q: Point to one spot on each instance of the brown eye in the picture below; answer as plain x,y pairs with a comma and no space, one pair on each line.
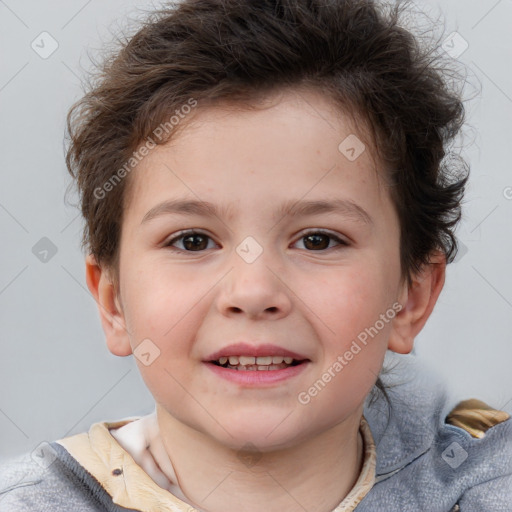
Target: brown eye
192,241
320,240
317,241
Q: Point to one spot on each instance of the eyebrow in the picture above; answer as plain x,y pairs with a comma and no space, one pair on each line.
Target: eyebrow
299,208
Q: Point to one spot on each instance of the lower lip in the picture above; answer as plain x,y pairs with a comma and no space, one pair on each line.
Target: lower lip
257,377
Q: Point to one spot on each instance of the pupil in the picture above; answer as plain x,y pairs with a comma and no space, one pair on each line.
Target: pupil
316,242
195,244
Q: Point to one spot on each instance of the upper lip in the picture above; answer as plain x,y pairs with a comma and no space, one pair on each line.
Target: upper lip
245,349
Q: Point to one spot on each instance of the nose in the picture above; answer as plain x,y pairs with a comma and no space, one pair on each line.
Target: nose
255,290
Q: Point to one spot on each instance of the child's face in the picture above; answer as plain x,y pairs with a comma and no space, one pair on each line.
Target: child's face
312,296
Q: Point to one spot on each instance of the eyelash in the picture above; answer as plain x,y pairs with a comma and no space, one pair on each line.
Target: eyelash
183,234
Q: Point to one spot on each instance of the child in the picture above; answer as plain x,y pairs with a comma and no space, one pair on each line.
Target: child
269,214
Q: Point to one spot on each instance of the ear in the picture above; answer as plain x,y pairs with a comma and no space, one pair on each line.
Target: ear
418,301
111,314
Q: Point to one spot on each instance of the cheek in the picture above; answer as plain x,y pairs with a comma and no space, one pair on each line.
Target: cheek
343,383
163,320
349,300
353,352
161,303
348,319
169,372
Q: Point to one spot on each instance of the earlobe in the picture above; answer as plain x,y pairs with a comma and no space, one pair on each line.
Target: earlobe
111,314
418,301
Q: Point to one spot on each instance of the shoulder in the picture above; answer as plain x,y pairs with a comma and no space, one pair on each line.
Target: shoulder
475,417
480,441
435,451
466,442
46,480
475,452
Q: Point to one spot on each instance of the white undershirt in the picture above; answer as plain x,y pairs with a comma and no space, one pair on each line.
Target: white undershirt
141,440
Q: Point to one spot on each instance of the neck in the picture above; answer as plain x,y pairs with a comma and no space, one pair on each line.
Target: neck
315,474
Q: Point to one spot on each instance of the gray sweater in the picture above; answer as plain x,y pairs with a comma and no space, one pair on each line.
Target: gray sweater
427,459
27,485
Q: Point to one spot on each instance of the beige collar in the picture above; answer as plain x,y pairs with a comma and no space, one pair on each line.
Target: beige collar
131,487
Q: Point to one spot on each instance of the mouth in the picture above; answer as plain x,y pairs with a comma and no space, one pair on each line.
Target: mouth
260,363
251,365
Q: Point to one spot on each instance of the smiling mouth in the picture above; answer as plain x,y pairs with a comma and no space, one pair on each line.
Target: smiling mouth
251,363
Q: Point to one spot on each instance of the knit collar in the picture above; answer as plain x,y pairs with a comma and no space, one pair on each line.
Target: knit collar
419,404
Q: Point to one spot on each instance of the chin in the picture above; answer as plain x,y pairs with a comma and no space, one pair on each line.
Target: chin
266,435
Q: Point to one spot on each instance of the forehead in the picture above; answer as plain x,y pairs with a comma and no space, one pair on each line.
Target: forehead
287,144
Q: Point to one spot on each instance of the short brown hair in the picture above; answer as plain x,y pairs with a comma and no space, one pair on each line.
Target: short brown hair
353,51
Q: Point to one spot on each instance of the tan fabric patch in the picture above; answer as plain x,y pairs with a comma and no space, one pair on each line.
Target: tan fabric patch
475,417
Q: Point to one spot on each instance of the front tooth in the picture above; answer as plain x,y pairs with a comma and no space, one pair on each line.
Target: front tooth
233,360
262,367
266,360
223,360
288,360
277,359
247,360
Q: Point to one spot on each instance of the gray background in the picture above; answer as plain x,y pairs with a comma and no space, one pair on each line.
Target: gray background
57,376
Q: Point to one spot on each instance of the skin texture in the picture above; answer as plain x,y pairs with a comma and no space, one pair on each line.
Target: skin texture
314,301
